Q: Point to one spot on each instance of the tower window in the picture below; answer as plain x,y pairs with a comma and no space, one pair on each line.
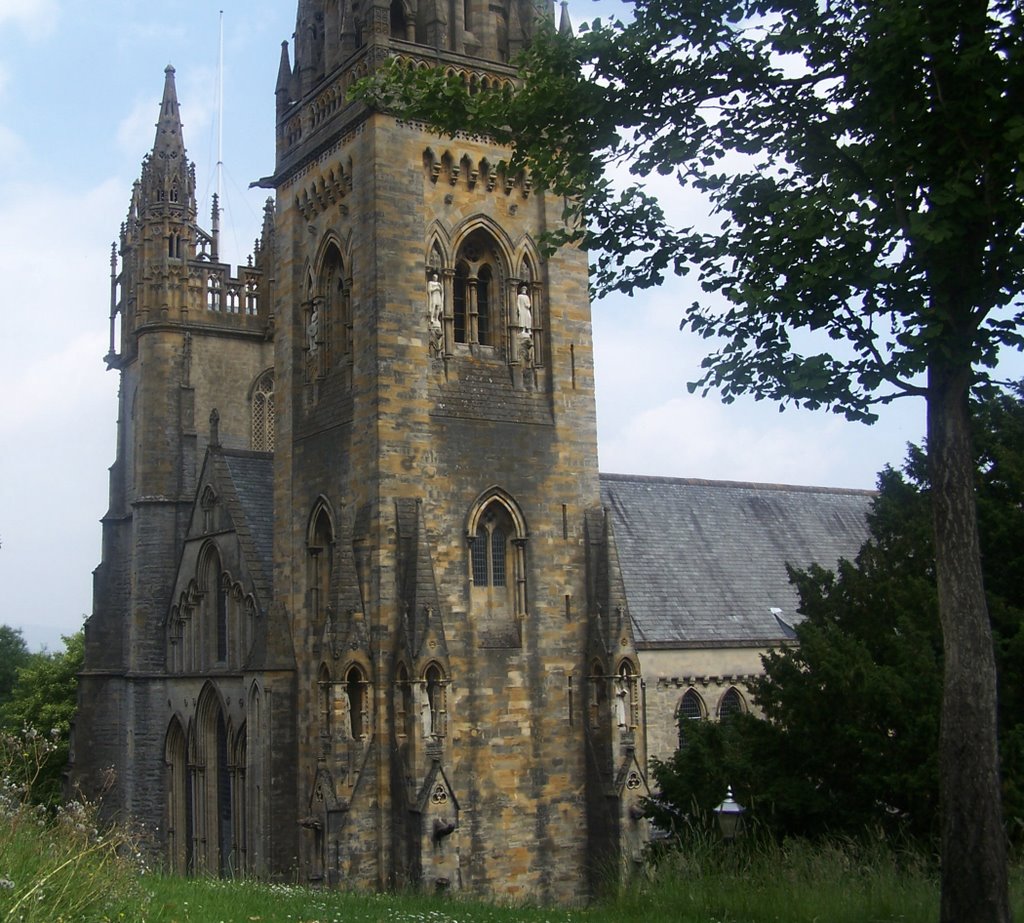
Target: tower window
498,557
459,302
263,413
214,294
475,300
489,553
483,305
356,692
497,568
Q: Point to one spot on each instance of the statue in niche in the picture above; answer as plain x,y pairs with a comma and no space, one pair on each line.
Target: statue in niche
621,704
435,309
524,323
524,310
426,719
313,330
343,714
435,299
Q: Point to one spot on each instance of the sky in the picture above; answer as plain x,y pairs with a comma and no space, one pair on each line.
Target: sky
80,86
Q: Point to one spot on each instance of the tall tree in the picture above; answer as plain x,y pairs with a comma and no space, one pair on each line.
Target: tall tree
864,159
14,653
42,703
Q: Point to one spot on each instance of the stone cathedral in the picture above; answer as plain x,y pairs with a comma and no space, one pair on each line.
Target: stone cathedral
359,619
367,615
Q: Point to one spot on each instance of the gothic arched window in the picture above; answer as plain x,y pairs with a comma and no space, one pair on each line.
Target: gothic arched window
320,551
490,548
263,415
691,708
476,294
497,558
403,701
214,293
357,692
730,704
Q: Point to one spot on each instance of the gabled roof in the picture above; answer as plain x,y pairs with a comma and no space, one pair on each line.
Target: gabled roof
704,562
252,508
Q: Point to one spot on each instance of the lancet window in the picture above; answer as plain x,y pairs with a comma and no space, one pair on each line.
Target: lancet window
730,704
263,415
497,553
320,562
476,297
357,694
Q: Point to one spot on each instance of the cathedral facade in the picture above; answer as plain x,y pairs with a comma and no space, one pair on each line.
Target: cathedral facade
359,619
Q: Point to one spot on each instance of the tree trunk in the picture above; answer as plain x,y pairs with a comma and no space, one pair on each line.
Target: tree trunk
974,857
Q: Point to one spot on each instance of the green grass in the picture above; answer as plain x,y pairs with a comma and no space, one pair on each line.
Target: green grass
794,883
60,869
798,882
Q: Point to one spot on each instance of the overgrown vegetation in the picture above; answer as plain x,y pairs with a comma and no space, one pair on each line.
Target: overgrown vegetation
57,865
38,697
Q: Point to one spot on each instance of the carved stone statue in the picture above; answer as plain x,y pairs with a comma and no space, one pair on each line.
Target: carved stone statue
524,323
313,329
524,310
621,695
435,310
435,300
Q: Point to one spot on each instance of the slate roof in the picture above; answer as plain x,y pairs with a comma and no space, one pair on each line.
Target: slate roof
252,475
704,562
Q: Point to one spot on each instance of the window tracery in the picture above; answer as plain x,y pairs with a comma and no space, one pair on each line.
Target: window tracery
730,704
476,301
263,413
497,569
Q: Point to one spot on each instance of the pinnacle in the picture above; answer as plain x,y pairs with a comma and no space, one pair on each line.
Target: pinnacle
169,143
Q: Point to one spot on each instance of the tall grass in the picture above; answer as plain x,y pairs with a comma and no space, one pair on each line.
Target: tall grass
57,866
840,881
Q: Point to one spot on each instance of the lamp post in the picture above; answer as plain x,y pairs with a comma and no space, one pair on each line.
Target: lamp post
730,816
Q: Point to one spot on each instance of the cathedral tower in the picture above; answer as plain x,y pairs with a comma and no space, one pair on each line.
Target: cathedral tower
443,458
191,344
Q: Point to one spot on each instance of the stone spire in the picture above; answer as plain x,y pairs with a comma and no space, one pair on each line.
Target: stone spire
565,24
168,181
283,88
169,144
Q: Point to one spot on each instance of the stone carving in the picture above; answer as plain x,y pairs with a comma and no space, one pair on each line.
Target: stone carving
435,307
313,329
524,324
524,310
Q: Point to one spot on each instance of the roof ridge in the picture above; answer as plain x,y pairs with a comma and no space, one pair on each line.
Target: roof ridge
708,482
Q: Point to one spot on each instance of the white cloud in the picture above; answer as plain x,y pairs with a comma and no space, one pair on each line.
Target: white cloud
36,18
12,148
136,131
